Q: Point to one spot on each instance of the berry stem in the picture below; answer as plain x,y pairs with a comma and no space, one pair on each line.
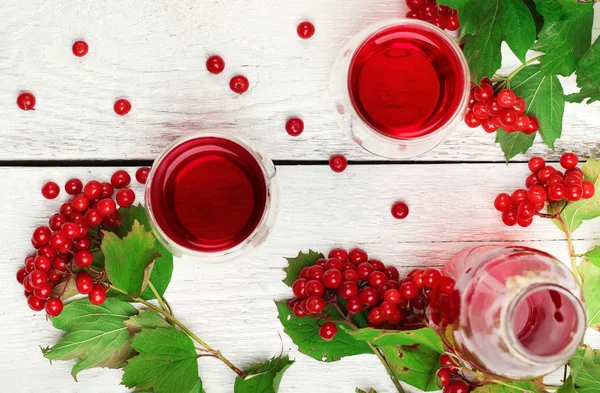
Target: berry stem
375,350
170,317
159,299
572,252
518,69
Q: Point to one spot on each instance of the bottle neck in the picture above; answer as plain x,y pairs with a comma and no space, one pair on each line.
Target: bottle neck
543,323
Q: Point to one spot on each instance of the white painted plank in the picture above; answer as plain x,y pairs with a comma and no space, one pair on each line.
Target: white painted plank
154,54
231,305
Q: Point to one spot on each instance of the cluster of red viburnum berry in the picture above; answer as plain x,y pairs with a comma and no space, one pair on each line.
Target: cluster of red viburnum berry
65,247
498,110
442,16
546,184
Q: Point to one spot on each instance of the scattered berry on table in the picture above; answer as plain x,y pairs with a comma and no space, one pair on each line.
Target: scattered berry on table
80,48
400,210
239,84
338,163
305,30
294,126
215,64
26,101
50,190
141,175
122,107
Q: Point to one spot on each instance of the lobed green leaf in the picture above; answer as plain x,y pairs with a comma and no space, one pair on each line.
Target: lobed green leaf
264,377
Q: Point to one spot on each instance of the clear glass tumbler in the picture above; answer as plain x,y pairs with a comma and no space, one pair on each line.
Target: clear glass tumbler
400,87
519,314
211,194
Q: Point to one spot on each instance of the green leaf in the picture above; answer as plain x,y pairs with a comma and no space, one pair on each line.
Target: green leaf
163,265
146,319
545,100
295,265
590,275
304,332
585,370
515,387
594,256
424,336
588,76
416,367
513,143
537,17
566,34
167,362
584,209
263,378
490,22
95,334
567,386
128,261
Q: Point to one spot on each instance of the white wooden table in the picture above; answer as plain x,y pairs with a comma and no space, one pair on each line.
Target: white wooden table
153,53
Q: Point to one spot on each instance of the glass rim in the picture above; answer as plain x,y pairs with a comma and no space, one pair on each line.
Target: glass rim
267,213
508,315
368,32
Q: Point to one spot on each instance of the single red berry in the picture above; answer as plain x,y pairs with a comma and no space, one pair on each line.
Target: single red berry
412,15
471,120
573,193
350,275
533,127
107,190
526,209
532,180
93,189
509,217
80,48
338,253
572,181
569,160
502,202
445,376
338,163
215,64
417,278
355,305
400,210
59,264
483,93
377,279
50,190
42,262
84,283
315,272
375,316
38,278
415,5
305,30
537,194
545,173
588,189
440,22
536,163
66,209
334,263
522,123
314,288
98,294
377,265
41,235
47,251
574,172
299,310
106,207
392,273
506,98
408,290
141,175
83,244
328,331
112,220
519,105
299,288
239,84
431,277
77,217
518,196
332,278
26,101
30,264
125,197
80,204
58,239
493,107
122,107
358,256
120,179
556,192
43,292
54,307
84,258
35,304
489,126
56,221
347,289
392,295
429,12
314,305
508,118
93,217
457,387
369,296
294,126
73,186
27,286
452,22
21,275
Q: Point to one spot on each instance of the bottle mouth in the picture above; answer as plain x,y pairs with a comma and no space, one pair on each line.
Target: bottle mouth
544,323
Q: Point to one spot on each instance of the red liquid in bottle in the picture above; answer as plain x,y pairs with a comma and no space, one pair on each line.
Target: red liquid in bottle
208,194
406,81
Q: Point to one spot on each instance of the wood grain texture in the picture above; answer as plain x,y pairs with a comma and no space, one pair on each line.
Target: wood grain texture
153,53
231,305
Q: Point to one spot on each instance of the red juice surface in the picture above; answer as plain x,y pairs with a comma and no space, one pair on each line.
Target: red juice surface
406,81
208,194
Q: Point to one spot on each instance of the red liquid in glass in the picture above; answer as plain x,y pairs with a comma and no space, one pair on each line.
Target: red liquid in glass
545,322
208,194
406,81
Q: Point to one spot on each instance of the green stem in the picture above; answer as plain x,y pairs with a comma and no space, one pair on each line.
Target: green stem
160,300
375,350
187,331
572,253
515,72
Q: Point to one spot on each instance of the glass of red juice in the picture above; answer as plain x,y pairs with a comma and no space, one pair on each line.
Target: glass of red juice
400,87
211,194
515,312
